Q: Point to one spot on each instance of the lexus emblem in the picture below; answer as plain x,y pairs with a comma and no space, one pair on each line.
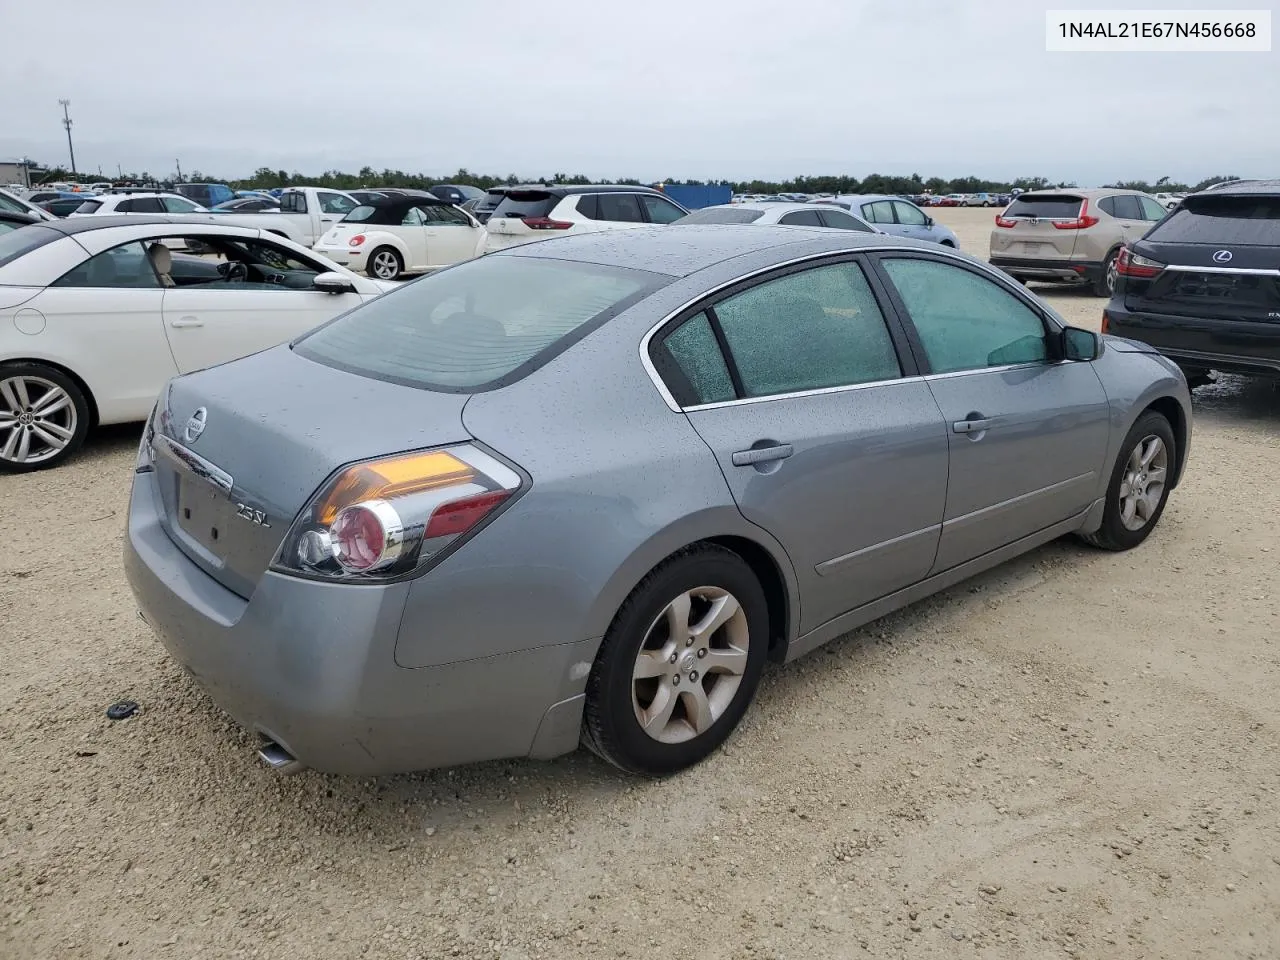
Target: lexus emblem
195,425
1222,256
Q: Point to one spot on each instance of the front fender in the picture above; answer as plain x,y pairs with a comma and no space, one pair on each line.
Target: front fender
1136,380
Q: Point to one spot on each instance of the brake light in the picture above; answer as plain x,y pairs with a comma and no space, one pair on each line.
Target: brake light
356,240
1106,322
1003,221
545,223
1082,222
395,516
1129,264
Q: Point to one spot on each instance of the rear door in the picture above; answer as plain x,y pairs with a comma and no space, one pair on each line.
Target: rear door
1126,210
1026,228
824,441
1028,435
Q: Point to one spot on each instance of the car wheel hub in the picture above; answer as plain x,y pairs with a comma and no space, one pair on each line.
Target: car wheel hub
1142,487
690,664
37,419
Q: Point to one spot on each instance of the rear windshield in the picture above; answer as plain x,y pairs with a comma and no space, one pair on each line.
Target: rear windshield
482,324
88,206
1044,207
721,215
490,200
526,203
17,242
1245,221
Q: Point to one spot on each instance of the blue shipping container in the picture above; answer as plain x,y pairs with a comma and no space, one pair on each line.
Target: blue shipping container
695,198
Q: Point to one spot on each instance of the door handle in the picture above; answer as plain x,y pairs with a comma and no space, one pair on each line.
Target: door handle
186,322
972,426
745,458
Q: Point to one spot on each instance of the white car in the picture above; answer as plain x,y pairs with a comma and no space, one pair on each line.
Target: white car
96,314
537,213
403,234
104,204
812,214
15,204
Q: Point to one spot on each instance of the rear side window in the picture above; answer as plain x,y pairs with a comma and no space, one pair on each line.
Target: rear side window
620,208
1124,208
1244,221
89,206
722,215
526,203
15,244
802,218
881,211
808,330
696,372
843,221
1041,206
480,325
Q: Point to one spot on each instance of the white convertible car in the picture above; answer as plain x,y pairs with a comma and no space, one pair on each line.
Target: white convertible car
403,234
96,313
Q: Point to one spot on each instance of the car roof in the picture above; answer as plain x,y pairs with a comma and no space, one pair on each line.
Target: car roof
1245,188
1081,192
694,247
872,197
566,189
76,225
781,205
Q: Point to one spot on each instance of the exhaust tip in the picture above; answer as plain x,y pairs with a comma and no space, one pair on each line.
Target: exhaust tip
279,759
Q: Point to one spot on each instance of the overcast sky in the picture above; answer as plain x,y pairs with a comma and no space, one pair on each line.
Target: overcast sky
698,88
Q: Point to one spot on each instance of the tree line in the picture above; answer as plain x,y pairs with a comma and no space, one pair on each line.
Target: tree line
367,177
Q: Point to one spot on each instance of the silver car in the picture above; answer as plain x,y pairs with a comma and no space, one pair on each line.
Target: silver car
582,490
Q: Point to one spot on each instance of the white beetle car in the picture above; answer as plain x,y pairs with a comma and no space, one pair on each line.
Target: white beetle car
403,234
96,313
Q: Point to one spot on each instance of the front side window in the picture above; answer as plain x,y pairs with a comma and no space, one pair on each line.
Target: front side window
122,267
442,215
965,321
909,213
413,217
1151,210
660,210
696,370
817,328
479,325
620,208
335,203
178,205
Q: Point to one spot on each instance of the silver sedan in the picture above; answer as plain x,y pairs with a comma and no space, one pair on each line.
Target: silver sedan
583,490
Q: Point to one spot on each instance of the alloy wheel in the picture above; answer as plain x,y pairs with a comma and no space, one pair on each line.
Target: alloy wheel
384,265
1142,487
690,664
37,419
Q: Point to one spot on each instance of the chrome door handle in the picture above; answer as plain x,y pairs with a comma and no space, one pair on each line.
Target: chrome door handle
186,322
971,426
745,458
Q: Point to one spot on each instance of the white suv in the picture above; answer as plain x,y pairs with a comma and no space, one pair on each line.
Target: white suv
122,203
538,213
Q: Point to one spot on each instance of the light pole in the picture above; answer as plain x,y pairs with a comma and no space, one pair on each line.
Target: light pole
67,123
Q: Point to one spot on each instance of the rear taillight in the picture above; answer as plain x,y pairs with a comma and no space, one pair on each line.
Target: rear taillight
356,240
545,223
1003,221
1082,222
1129,264
395,517
1106,322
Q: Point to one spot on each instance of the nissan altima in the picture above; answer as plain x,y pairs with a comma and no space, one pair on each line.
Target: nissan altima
581,491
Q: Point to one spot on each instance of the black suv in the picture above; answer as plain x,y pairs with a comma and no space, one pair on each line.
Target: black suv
1203,285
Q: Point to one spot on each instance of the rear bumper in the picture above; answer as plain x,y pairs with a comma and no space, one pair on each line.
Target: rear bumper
1028,268
352,259
312,666
1194,343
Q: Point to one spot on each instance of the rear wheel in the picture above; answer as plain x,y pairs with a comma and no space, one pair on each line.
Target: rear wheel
1140,485
679,665
385,264
1105,285
44,417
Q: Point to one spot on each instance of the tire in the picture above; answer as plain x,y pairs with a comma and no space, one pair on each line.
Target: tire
44,417
726,674
1115,533
384,264
1105,285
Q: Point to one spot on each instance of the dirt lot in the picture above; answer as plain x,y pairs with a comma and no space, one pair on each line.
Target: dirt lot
1075,755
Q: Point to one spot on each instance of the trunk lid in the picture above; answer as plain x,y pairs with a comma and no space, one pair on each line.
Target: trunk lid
275,426
1033,234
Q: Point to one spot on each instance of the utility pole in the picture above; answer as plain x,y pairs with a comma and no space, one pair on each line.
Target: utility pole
66,122
178,164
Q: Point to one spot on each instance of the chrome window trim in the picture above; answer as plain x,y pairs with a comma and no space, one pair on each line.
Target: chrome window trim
1249,271
944,252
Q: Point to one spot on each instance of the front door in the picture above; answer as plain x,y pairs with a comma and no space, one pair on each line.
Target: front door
451,237
823,441
1028,434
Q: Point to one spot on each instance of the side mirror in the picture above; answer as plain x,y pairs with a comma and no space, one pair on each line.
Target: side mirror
1080,344
928,221
332,283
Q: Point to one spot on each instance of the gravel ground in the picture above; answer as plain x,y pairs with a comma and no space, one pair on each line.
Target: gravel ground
1074,755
